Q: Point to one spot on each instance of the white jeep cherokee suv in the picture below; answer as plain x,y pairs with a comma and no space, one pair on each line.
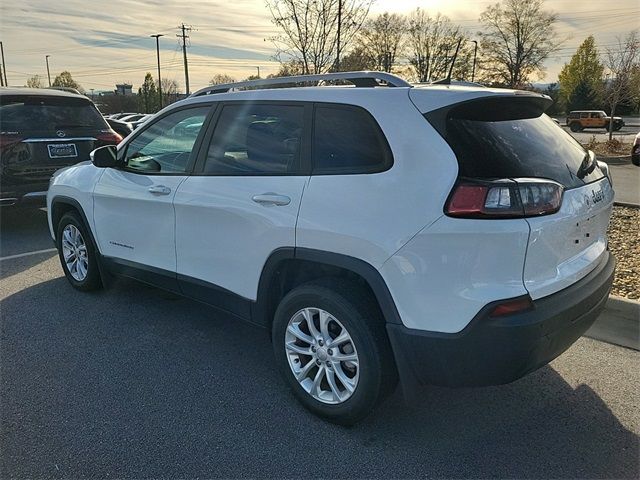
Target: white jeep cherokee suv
437,234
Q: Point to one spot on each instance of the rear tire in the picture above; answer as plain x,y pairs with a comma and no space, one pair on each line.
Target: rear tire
77,253
342,392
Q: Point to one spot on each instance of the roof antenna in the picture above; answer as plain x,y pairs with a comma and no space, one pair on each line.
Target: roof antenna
447,81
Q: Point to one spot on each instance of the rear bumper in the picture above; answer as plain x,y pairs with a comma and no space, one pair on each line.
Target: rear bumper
23,194
494,351
22,198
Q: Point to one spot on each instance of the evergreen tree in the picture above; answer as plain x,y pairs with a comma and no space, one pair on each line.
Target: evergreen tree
581,78
148,95
66,80
583,97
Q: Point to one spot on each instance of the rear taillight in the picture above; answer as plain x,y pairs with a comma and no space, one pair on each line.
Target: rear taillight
110,137
518,198
6,140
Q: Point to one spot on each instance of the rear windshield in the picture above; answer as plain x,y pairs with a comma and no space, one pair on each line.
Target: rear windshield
504,146
48,114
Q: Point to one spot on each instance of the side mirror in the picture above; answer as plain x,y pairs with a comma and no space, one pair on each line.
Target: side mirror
106,157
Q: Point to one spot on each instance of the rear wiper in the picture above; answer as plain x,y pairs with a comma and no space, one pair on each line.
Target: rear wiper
587,166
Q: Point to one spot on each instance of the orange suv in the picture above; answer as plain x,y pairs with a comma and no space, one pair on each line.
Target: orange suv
578,120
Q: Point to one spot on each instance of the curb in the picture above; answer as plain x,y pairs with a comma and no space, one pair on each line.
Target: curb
626,204
618,324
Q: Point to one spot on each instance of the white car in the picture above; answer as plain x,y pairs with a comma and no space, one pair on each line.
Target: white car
437,234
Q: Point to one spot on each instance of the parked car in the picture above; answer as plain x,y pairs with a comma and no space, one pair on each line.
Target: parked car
121,128
118,116
635,151
438,234
140,121
42,130
578,120
132,118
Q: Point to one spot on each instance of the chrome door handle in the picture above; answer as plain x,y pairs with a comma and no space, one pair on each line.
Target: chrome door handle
160,190
271,199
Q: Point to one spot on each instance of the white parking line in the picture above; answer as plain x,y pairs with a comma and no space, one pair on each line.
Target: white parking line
20,255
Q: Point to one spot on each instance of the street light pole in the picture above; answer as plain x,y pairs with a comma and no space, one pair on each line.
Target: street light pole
258,71
46,57
157,37
475,53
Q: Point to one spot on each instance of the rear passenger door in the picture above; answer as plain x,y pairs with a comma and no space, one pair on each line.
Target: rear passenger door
242,201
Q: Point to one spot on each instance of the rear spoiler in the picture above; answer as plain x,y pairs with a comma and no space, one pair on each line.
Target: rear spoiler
491,108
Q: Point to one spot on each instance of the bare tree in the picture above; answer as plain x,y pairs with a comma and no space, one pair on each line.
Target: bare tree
34,82
432,42
288,69
622,62
359,58
310,30
220,78
518,37
381,38
170,91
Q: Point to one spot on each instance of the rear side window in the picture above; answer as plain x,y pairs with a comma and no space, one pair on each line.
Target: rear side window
252,139
48,114
347,140
495,141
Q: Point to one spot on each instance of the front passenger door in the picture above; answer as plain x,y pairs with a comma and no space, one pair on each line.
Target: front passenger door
242,201
133,206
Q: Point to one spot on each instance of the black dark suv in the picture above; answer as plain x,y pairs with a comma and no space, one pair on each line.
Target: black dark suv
41,131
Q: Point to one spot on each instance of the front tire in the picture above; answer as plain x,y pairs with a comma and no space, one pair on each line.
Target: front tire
575,127
77,253
331,346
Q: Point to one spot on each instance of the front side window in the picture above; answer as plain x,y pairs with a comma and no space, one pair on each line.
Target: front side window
252,139
166,146
347,140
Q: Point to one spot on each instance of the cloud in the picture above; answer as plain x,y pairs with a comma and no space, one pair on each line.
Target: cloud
107,42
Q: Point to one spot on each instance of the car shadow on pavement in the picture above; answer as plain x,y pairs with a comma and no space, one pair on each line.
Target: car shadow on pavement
134,382
23,231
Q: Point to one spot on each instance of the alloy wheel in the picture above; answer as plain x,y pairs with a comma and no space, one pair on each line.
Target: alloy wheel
322,355
74,251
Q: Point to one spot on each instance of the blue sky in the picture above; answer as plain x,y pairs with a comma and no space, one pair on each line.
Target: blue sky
102,43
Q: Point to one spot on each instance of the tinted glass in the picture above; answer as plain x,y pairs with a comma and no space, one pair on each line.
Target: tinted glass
347,140
166,146
530,147
256,140
32,114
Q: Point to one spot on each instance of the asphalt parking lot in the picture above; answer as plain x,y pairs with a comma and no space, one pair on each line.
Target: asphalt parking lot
625,134
134,382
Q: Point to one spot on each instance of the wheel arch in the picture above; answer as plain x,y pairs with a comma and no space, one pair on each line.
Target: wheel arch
60,205
289,267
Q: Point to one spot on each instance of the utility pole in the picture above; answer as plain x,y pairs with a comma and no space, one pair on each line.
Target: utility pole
184,36
46,58
475,54
157,37
338,39
4,66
